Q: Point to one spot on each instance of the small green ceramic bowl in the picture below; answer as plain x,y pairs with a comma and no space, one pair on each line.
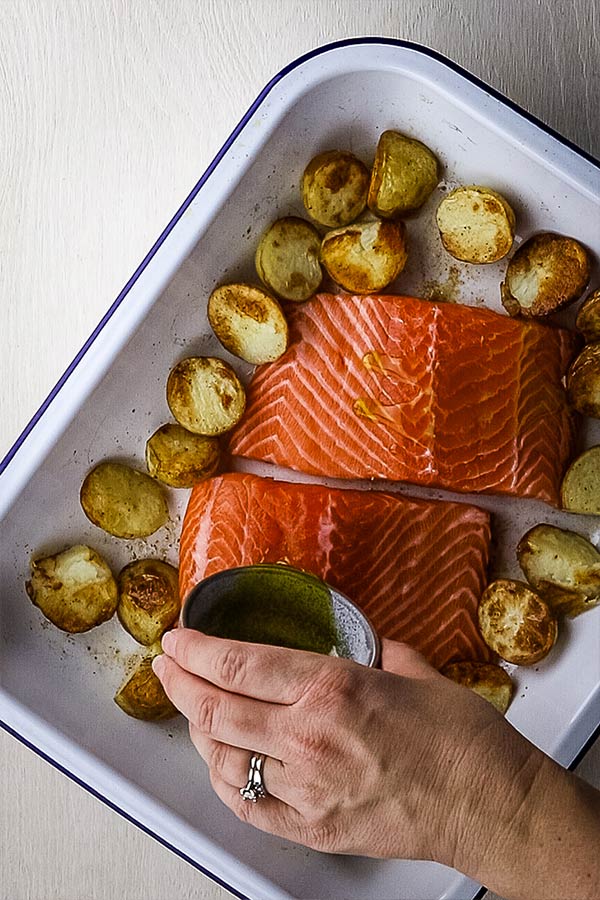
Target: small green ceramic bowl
277,604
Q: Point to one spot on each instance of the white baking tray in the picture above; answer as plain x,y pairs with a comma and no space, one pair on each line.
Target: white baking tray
56,690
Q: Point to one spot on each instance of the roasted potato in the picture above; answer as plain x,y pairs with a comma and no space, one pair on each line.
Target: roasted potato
205,395
547,272
583,381
74,589
179,458
148,599
516,623
287,259
476,224
141,695
366,257
562,566
248,322
489,681
334,188
580,490
405,173
588,318
122,501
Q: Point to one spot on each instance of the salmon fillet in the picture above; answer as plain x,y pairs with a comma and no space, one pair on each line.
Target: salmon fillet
411,390
417,568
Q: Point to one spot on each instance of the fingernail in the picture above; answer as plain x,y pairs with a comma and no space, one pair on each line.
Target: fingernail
158,665
168,642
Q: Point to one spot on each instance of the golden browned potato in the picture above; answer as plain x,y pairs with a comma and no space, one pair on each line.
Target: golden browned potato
248,322
148,599
476,224
562,566
122,501
366,257
179,458
405,173
334,188
205,395
516,623
588,318
580,490
583,381
547,272
287,259
74,589
141,695
489,681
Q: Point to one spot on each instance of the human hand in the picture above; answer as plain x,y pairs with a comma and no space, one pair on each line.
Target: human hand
357,760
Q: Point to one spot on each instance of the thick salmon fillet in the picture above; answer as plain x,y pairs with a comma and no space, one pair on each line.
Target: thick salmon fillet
411,390
417,568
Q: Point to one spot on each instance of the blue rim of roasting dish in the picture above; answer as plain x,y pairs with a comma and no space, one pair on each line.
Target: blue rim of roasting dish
390,42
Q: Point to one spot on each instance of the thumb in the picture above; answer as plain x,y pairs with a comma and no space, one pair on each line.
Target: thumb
400,659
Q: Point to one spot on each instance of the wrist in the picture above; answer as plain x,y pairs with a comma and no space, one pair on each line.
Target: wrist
535,831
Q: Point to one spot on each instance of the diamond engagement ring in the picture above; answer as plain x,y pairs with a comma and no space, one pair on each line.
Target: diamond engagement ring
254,789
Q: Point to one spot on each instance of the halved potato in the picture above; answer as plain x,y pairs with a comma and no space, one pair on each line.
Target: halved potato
365,257
122,501
179,458
562,566
74,589
476,224
205,395
516,623
142,695
489,681
580,490
583,381
148,599
405,173
334,188
248,322
287,259
547,272
588,318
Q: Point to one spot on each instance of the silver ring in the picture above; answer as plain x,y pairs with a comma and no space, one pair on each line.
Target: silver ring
255,789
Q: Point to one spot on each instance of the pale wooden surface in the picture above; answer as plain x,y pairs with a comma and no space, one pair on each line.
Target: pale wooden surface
109,112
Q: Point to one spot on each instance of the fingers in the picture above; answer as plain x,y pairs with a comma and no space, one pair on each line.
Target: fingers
232,764
268,814
229,718
274,674
400,659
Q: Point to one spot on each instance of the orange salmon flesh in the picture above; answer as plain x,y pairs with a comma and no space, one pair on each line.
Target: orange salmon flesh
417,568
396,388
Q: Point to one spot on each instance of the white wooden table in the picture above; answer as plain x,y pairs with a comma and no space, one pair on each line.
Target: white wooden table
109,112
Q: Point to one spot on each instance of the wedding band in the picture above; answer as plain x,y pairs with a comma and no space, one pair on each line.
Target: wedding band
254,789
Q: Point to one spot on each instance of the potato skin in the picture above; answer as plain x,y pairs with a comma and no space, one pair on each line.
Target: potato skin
476,224
74,589
179,458
205,395
249,322
334,188
588,318
122,501
287,259
580,489
562,566
405,173
367,257
148,599
546,273
583,381
516,623
489,681
142,695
